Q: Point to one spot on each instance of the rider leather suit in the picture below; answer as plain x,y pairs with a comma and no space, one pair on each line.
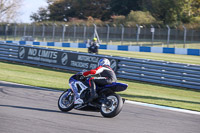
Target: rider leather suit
106,76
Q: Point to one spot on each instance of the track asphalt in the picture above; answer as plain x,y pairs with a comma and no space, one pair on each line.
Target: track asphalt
26,109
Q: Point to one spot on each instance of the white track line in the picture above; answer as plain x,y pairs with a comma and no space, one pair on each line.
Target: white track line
127,101
163,107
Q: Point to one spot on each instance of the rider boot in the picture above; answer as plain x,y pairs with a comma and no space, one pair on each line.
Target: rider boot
93,94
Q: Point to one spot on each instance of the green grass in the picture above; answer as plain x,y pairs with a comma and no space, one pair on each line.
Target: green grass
138,91
188,59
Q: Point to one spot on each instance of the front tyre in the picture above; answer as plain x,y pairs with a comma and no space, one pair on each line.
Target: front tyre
112,107
66,101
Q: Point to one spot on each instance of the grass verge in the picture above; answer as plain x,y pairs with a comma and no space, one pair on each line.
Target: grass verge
137,91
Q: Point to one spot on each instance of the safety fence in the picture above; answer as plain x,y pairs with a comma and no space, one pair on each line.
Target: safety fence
161,72
140,35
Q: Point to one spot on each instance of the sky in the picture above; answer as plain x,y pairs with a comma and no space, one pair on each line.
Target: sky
29,7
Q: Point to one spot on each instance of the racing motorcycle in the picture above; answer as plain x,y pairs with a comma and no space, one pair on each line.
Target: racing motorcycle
93,49
108,102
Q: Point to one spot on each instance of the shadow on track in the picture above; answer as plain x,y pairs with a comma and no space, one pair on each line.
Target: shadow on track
48,110
13,85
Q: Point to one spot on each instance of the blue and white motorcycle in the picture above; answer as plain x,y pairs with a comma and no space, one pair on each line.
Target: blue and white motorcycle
108,102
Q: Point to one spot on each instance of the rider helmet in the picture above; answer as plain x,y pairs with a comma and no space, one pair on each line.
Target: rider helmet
104,62
95,39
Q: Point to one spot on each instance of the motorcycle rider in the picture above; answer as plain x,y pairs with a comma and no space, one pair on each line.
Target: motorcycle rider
106,76
93,46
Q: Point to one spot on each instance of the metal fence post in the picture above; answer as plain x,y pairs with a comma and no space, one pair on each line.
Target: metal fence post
33,30
138,33
63,33
185,34
192,38
145,31
152,32
25,30
159,35
95,29
43,31
15,32
74,32
84,32
176,36
168,35
54,28
95,33
122,34
108,33
6,31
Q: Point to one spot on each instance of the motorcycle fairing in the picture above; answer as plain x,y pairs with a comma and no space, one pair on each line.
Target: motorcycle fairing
77,86
116,86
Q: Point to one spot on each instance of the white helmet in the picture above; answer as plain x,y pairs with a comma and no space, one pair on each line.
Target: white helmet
103,62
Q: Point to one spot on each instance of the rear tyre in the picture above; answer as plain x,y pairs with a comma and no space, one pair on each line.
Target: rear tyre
66,101
113,107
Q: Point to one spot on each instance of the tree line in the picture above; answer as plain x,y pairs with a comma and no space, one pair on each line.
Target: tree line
9,10
124,11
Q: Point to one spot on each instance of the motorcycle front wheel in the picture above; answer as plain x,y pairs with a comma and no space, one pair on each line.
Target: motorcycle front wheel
112,107
66,101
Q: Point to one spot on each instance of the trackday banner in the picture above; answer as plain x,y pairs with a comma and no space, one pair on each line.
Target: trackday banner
61,57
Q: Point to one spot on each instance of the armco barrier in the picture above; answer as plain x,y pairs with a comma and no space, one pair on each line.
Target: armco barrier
182,51
161,72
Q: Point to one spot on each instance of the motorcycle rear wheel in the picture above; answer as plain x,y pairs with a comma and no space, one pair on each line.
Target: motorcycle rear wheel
113,108
66,101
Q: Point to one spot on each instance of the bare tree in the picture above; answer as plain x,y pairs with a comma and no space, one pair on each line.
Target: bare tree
9,10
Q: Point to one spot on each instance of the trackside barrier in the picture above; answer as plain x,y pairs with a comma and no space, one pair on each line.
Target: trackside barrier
161,72
165,50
